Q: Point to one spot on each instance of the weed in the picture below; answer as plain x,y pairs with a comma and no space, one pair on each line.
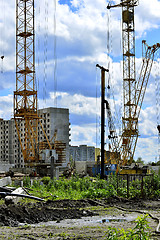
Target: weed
139,232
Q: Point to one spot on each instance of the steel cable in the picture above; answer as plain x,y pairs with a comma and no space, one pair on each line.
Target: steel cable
157,86
45,52
55,57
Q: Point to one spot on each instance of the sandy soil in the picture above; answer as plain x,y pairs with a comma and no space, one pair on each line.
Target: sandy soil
66,219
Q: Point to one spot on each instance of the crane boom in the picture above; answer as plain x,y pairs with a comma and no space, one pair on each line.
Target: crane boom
144,74
140,92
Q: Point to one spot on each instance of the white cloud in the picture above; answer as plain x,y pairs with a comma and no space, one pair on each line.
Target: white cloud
147,149
147,16
83,135
81,43
77,103
6,106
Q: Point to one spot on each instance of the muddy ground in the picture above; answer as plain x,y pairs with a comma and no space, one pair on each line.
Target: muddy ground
67,219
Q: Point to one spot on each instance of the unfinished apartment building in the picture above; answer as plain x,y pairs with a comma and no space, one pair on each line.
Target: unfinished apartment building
82,153
52,119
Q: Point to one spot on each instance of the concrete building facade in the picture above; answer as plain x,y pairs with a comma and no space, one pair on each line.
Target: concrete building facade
55,121
82,153
6,141
52,119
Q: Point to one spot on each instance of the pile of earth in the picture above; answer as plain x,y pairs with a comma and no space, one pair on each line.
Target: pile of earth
36,212
31,213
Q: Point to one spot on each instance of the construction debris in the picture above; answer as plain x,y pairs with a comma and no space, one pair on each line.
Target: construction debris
17,195
5,181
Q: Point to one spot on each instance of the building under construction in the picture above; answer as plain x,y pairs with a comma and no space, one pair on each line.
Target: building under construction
55,122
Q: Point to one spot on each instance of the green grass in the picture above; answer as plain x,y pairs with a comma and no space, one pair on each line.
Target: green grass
74,188
95,188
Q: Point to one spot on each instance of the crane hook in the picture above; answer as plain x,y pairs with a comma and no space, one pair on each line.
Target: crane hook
2,57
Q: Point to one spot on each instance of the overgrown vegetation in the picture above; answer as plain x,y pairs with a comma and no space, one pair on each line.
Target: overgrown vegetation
139,232
79,188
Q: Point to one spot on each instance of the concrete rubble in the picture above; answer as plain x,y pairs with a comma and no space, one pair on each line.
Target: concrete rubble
15,199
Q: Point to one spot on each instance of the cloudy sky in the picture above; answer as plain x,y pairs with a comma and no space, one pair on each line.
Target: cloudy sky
71,38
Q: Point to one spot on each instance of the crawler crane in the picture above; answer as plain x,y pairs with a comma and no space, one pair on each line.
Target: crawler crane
133,91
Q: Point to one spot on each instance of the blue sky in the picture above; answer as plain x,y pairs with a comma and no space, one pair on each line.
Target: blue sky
81,43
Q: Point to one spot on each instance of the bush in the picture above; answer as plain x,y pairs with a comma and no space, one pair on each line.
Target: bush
45,180
139,232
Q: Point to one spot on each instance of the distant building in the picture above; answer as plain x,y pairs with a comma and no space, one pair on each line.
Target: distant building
52,119
7,141
82,153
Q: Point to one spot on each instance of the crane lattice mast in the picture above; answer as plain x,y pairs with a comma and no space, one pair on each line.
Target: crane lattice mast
129,122
25,96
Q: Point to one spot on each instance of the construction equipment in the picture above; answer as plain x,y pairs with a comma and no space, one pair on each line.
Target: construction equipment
141,85
112,130
25,96
133,91
103,70
129,79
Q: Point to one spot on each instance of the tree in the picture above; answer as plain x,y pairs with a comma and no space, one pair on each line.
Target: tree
139,160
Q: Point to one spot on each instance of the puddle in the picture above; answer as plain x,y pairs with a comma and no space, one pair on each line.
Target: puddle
113,220
87,221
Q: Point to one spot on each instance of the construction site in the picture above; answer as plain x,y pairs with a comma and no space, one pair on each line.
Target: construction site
51,189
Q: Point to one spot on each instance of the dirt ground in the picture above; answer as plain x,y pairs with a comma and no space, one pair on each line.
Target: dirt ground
68,219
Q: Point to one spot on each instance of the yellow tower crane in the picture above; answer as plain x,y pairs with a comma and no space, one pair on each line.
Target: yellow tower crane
25,96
